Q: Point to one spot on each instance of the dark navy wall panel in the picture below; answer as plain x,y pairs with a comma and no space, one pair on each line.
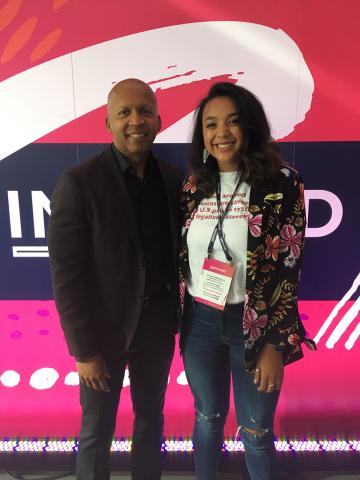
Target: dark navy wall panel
330,262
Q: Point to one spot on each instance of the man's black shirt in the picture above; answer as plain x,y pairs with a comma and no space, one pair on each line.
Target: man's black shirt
151,211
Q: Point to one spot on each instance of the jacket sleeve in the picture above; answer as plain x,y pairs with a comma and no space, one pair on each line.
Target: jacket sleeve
285,329
184,200
69,238
187,208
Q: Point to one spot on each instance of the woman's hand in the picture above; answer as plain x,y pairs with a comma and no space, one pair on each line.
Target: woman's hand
269,371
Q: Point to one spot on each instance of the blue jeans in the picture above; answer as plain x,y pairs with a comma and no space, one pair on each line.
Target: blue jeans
214,351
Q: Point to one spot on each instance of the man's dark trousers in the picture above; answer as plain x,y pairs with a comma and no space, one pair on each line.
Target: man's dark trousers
148,359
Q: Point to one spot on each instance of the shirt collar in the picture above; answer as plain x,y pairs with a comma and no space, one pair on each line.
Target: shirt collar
124,164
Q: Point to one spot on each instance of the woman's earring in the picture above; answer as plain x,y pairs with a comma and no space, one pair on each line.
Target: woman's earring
205,156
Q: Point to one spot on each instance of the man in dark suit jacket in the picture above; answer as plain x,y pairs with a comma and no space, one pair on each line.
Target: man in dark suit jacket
113,238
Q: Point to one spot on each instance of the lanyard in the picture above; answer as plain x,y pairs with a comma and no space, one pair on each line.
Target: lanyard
218,230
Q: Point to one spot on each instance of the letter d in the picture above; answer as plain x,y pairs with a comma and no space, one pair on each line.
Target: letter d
336,212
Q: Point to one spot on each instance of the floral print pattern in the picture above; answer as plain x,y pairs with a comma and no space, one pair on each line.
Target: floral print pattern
189,185
254,223
276,227
290,239
252,323
272,247
293,339
290,261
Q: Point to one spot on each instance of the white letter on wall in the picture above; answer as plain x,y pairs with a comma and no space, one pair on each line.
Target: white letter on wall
40,202
14,214
336,212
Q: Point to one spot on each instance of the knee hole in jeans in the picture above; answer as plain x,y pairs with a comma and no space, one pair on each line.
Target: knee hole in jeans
215,420
202,416
254,433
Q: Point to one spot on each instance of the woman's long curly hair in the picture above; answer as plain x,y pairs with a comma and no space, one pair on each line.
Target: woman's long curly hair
259,156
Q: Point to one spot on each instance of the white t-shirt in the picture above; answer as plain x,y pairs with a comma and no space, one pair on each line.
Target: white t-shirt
235,228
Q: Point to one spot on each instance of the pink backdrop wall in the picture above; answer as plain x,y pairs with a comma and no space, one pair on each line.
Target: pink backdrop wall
53,91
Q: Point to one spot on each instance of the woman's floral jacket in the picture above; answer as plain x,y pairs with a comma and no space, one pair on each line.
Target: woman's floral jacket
276,230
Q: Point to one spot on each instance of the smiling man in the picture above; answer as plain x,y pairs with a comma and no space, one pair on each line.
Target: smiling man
133,120
113,236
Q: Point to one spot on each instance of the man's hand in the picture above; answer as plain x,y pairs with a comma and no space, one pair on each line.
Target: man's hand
94,373
269,371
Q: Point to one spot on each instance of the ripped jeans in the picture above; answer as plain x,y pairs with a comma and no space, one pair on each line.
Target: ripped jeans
214,351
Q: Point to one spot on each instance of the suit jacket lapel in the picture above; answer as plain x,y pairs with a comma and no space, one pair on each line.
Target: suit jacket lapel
172,196
114,181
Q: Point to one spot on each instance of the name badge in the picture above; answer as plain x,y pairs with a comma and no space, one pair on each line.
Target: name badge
214,284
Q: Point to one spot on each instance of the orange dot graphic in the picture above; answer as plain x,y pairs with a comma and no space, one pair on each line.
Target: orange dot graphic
59,3
18,40
46,45
9,12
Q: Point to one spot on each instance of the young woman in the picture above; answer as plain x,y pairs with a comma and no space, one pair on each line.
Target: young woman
244,224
